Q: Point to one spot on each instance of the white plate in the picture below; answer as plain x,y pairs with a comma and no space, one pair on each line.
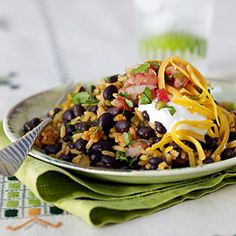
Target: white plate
36,105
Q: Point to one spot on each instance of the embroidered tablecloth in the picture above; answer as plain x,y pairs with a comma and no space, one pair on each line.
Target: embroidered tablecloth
47,43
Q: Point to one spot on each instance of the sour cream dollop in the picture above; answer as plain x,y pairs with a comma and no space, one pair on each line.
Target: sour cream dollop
164,116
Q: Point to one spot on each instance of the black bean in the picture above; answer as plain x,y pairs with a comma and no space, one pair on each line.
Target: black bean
110,162
211,143
125,167
94,123
112,79
35,121
67,138
153,167
82,126
27,127
160,127
93,108
92,87
208,160
191,145
67,116
69,130
128,115
114,111
134,165
52,149
31,124
82,89
78,110
142,168
56,110
227,153
72,154
95,157
106,144
145,115
157,139
232,136
122,126
106,121
176,147
67,158
80,145
71,145
102,145
179,163
96,147
146,132
155,160
108,92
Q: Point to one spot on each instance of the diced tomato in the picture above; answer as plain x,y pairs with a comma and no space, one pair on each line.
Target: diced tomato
162,95
180,82
120,103
142,79
169,71
138,82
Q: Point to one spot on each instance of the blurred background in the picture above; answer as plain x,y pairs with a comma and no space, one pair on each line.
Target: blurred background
44,43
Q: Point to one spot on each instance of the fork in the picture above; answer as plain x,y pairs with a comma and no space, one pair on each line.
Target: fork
13,155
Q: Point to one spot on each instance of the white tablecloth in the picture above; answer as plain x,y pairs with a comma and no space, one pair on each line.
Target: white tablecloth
46,43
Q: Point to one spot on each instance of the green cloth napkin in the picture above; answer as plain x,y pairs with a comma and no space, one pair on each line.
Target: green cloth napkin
100,203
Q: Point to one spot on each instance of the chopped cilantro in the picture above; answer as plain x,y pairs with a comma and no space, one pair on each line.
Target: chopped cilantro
144,67
83,98
146,97
125,94
160,105
171,109
129,103
141,69
127,138
178,75
154,63
121,156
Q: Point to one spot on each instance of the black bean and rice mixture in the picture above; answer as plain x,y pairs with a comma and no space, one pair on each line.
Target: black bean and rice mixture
122,123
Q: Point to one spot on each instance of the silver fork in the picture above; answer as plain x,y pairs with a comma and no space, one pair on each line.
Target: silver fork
13,155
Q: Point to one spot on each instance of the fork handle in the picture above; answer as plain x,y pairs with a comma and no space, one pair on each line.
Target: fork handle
12,156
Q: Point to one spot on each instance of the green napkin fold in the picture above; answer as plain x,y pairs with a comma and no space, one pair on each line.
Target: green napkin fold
99,203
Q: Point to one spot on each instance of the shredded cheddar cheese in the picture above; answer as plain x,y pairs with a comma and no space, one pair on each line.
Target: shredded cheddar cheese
195,97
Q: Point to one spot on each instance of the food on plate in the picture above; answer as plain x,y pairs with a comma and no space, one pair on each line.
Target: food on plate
158,115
